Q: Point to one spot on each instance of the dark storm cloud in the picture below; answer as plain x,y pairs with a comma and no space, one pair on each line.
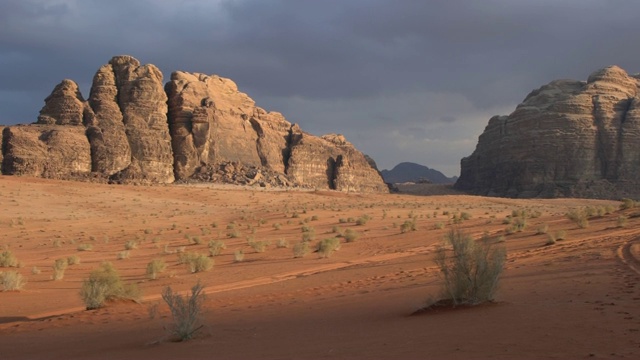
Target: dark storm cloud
360,67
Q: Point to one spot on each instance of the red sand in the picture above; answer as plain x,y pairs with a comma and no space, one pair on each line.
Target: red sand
578,298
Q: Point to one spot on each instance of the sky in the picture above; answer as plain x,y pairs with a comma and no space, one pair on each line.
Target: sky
403,80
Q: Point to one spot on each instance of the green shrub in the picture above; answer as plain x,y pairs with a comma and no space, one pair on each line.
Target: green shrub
327,246
104,284
7,259
85,247
621,221
351,235
408,225
155,267
238,255
472,273
195,262
73,260
11,281
130,245
216,247
59,266
301,249
627,204
259,246
185,311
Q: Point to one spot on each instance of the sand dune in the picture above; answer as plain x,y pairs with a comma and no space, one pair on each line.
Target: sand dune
577,298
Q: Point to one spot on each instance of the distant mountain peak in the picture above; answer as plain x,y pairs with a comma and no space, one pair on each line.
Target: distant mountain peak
412,172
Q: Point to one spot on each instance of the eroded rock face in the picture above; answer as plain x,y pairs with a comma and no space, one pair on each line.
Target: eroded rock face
196,128
568,138
65,105
212,122
49,151
143,104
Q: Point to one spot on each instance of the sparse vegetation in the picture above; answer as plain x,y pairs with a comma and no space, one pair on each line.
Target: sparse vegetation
579,217
85,247
155,267
12,281
259,246
73,260
130,245
216,247
238,255
282,243
627,204
104,284
301,249
195,262
351,235
542,229
408,225
327,246
7,259
185,311
621,221
472,273
59,267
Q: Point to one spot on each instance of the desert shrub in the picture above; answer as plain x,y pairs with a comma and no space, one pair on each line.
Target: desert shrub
627,204
621,221
216,247
542,229
124,254
185,311
259,246
195,262
130,245
277,226
465,216
308,236
35,270
11,281
439,225
408,225
579,217
342,221
7,259
234,234
351,235
104,284
519,224
362,220
471,275
560,235
327,246
73,260
307,228
195,240
282,243
301,249
155,267
85,247
551,239
59,266
238,255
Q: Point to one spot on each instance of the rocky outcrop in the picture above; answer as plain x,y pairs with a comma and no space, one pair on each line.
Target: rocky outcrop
197,127
49,151
65,105
567,138
331,162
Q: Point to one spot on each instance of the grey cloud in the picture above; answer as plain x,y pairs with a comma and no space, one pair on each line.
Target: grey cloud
369,66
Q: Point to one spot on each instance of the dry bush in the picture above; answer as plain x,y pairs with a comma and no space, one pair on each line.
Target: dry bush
216,247
104,284
351,235
11,281
7,259
155,267
301,249
327,246
59,266
185,310
472,273
195,262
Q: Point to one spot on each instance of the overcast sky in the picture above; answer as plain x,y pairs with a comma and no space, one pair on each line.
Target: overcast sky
404,80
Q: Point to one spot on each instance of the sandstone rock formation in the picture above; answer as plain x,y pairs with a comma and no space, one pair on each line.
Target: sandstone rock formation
197,127
567,138
49,151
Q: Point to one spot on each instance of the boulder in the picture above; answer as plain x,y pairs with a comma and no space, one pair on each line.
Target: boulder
49,151
567,138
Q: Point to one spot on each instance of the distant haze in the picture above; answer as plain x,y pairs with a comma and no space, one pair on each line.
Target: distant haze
403,80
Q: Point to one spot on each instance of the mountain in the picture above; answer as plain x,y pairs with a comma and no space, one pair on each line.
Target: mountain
412,172
566,139
135,129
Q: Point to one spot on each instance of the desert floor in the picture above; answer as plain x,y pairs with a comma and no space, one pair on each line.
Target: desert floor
578,298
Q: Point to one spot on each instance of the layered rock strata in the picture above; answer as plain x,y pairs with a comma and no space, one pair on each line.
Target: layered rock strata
567,138
197,127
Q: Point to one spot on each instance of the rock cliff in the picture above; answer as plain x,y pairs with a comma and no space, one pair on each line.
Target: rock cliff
567,138
196,127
